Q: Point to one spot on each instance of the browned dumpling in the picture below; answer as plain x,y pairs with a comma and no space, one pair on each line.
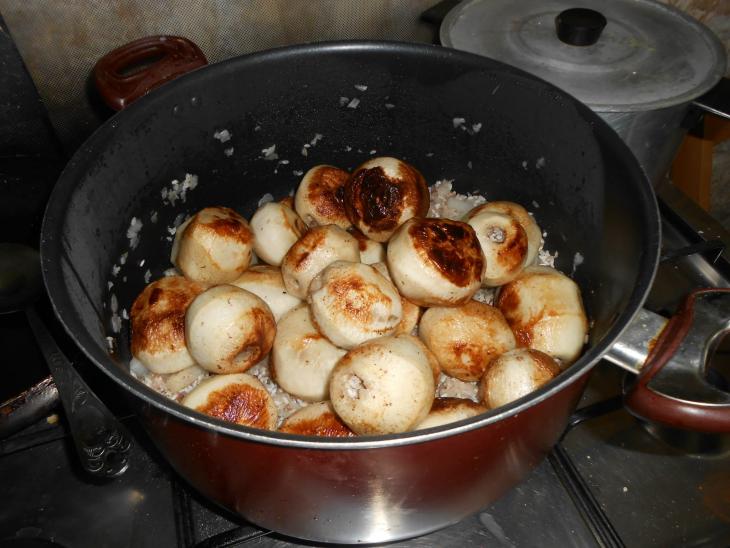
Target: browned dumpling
504,244
528,223
319,247
229,329
465,339
383,193
319,197
158,324
214,246
515,374
317,419
436,262
545,311
448,410
239,398
352,302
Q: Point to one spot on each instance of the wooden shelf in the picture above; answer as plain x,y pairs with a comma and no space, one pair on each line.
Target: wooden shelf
692,168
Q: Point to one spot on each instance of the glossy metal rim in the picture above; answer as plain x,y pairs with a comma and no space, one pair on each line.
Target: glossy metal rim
52,254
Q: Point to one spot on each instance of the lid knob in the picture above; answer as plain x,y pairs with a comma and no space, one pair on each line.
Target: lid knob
579,26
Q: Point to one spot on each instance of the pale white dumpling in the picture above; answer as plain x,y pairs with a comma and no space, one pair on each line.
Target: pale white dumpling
515,374
519,213
544,308
448,410
214,246
353,302
176,382
275,229
504,244
157,318
319,247
371,252
302,359
383,193
266,282
411,311
465,339
436,262
229,329
383,386
316,419
239,398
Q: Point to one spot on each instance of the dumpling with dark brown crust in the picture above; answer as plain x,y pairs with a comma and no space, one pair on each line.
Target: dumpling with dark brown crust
239,398
319,199
318,419
213,247
436,262
158,324
382,194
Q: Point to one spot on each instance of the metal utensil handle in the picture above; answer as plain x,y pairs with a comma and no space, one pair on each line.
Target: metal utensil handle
101,442
682,347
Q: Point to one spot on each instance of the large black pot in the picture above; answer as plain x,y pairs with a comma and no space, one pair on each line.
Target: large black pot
536,146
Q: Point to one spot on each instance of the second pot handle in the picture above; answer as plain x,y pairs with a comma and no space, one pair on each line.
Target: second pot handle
671,388
717,100
157,59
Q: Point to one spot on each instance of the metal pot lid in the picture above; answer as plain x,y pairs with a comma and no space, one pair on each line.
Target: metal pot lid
648,56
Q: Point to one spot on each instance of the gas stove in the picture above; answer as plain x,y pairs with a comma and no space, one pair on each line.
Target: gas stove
611,480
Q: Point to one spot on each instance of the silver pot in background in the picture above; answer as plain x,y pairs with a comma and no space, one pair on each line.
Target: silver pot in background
643,66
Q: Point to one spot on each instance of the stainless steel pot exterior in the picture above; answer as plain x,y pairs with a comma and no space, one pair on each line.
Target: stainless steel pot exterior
363,495
653,136
649,63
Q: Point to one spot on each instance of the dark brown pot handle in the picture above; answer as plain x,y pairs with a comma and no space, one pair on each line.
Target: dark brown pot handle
130,71
671,388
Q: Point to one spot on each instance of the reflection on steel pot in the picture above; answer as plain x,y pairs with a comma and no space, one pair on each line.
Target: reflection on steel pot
534,145
647,68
